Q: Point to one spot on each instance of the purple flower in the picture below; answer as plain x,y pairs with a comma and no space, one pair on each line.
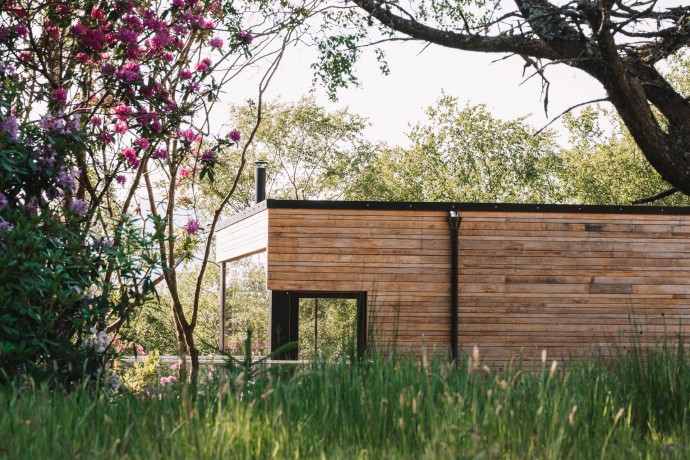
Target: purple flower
207,156
59,95
107,69
127,36
5,226
185,74
245,36
142,143
160,154
11,127
235,135
21,30
216,42
96,121
106,137
192,227
121,179
67,180
128,73
3,201
80,207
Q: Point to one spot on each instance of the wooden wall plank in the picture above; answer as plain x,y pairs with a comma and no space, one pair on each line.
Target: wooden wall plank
527,280
243,238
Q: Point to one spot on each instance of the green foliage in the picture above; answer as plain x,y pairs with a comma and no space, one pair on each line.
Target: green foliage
311,153
376,408
603,165
335,331
60,282
142,377
247,305
464,154
154,326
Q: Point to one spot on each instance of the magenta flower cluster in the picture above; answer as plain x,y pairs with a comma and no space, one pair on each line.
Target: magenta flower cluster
192,227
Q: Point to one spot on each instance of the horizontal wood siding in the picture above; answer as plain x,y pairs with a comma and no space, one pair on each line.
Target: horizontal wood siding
570,283
243,238
400,258
566,282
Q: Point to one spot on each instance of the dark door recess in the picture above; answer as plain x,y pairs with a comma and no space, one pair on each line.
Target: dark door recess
284,319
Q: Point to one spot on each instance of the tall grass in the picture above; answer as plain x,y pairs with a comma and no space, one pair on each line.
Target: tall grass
634,407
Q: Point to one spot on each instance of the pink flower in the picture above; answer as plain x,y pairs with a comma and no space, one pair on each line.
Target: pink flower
96,121
235,135
121,126
122,180
204,65
131,157
185,74
59,95
167,380
192,227
122,112
184,173
216,42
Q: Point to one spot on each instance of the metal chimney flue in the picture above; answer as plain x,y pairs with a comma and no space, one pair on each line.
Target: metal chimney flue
260,180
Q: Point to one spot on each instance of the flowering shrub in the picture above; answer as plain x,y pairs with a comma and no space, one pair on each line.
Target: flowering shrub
98,129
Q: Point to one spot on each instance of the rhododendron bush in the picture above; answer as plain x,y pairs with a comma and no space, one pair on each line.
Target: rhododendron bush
106,126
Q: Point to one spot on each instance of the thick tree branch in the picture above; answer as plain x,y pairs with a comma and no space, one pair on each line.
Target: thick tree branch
656,197
504,43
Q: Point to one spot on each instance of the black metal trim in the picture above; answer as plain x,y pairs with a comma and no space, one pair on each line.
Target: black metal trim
466,206
449,206
223,294
284,318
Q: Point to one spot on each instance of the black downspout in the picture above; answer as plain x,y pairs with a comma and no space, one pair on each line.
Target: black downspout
454,220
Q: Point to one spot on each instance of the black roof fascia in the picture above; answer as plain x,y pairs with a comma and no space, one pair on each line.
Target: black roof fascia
448,206
460,206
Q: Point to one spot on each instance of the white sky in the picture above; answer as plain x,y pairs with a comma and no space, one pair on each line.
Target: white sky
416,80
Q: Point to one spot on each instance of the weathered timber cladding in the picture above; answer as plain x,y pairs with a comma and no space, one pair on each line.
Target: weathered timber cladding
400,258
567,282
570,283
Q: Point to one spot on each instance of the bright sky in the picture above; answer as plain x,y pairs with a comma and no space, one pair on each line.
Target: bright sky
416,80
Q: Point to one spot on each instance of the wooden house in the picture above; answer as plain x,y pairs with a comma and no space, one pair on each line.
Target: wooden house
511,279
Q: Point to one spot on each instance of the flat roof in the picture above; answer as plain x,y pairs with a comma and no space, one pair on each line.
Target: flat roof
454,206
